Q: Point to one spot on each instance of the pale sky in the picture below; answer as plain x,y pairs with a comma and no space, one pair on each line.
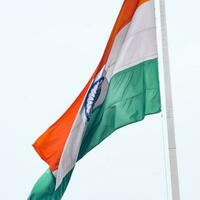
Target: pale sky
48,50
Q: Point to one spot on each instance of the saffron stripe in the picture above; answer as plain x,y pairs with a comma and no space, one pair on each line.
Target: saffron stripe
51,143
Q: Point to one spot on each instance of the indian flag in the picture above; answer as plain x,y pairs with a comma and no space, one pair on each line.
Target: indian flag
123,89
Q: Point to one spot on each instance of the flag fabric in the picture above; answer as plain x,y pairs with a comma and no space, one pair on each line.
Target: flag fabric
123,89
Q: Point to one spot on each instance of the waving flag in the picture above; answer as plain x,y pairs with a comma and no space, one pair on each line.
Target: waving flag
123,89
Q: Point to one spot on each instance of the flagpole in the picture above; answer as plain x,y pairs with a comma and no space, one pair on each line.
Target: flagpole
167,108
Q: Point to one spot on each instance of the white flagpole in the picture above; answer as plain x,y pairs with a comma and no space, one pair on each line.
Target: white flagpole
167,108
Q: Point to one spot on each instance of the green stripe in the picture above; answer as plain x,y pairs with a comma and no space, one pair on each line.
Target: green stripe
132,94
44,189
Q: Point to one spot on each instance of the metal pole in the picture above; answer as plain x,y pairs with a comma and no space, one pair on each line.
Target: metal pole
167,115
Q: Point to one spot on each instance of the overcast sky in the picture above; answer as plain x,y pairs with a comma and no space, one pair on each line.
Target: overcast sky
48,50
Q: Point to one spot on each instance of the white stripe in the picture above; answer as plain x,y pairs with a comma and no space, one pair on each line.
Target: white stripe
135,43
